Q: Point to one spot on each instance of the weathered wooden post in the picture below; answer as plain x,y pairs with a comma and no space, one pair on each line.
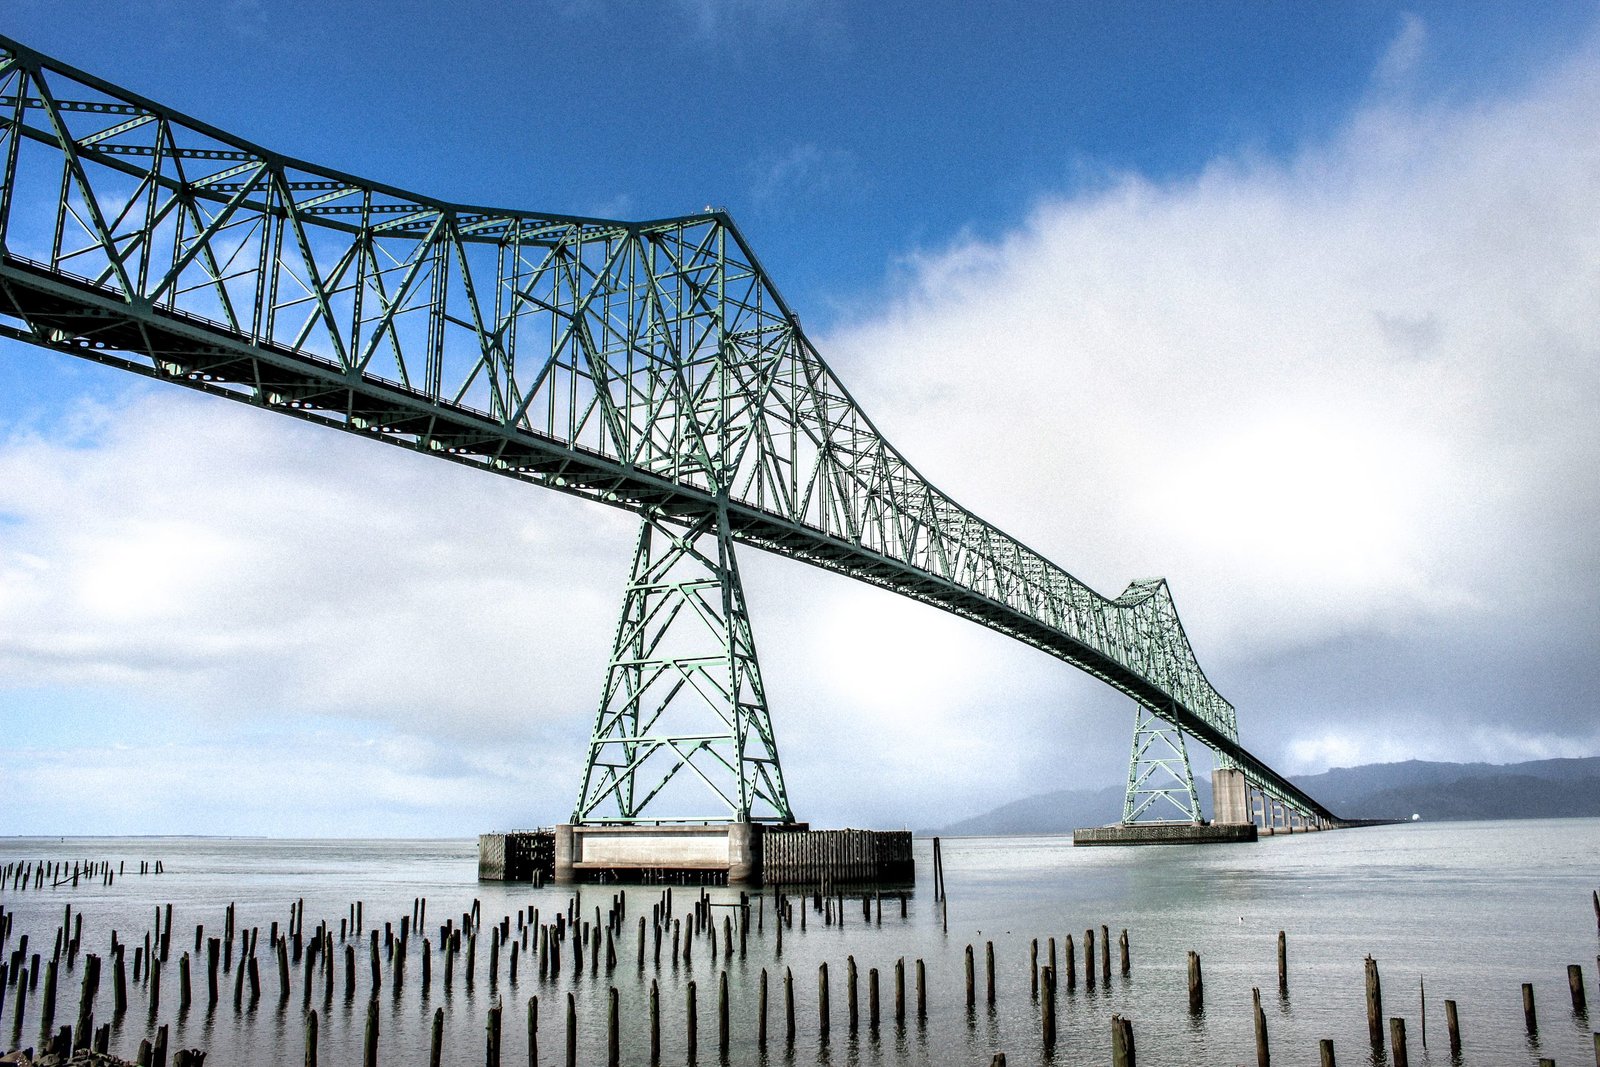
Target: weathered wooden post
655,1022
1580,1003
572,1030
311,1039
1069,965
1122,948
972,991
900,991
761,1011
822,1002
850,992
1325,1051
691,1021
788,1006
613,1029
1529,1016
922,991
369,1054
872,1001
1398,1057
988,971
1283,964
1088,958
1197,991
1454,1027
1263,1054
1374,1004
1047,1011
1122,1050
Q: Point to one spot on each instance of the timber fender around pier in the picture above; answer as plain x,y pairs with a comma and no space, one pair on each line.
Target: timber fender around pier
730,853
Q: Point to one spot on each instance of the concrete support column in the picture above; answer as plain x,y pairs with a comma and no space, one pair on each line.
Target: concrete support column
564,857
1230,800
744,853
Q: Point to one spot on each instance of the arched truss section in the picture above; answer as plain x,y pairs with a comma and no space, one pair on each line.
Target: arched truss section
649,365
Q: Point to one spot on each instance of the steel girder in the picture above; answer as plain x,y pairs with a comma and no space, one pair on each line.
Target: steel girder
648,365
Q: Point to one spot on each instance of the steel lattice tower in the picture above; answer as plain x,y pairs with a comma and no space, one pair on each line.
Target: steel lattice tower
1159,771
683,690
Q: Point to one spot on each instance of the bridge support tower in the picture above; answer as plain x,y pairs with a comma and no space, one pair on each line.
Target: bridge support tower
682,725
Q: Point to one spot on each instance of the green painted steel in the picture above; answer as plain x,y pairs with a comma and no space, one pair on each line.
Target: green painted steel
648,365
1160,780
683,692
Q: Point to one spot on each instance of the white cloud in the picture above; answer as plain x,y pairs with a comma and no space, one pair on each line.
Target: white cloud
1349,393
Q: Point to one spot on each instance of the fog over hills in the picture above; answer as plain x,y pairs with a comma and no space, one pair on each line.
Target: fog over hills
1541,789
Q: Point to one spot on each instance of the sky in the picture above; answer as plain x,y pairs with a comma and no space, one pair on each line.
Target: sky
1295,305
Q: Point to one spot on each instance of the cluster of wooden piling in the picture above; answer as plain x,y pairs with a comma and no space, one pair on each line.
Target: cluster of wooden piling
22,875
367,958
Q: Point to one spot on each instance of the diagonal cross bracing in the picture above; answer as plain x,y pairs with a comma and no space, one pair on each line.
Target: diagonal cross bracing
649,365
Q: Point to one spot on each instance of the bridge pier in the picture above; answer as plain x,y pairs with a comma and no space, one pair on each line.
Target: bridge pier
1230,797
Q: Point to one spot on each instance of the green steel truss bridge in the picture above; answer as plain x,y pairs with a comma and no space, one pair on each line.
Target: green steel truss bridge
651,366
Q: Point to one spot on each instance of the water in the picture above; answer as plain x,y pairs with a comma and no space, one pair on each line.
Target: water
1474,909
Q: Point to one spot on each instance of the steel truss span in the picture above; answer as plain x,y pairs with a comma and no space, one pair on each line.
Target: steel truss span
648,365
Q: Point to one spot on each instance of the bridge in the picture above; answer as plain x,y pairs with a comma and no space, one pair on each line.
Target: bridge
650,366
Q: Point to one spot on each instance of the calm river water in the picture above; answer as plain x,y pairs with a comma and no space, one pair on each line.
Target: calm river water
1472,909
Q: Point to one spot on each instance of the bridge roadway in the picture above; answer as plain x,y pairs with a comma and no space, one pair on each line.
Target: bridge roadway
667,376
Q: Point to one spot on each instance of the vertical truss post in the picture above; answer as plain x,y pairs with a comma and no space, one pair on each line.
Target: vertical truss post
1158,771
683,702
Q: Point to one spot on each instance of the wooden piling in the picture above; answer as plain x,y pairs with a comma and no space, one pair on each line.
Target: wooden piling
1398,1056
922,991
183,983
1263,1054
369,1053
1122,1050
1325,1052
436,1039
822,1002
655,1022
1529,1016
873,1015
851,1007
988,971
1283,964
1197,992
1374,1004
761,1013
311,1039
1047,1010
1033,968
690,1021
788,1006
1105,955
572,1030
1122,950
972,992
1580,1003
1069,965
900,991
613,1029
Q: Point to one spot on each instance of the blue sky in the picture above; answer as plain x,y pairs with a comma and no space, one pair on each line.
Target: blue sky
1204,290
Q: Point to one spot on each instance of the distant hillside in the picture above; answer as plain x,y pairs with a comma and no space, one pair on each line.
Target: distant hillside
1542,789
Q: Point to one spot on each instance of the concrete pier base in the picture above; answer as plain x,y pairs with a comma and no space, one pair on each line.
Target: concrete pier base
599,851
1165,833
